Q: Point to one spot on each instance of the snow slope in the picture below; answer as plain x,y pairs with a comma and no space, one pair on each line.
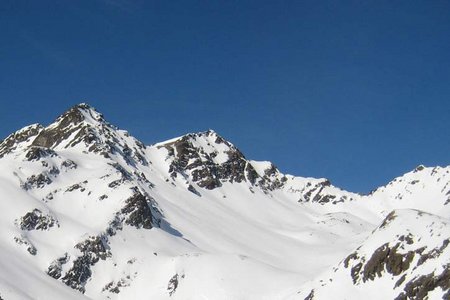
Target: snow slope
89,212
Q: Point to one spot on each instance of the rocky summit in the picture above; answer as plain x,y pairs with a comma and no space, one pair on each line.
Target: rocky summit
87,211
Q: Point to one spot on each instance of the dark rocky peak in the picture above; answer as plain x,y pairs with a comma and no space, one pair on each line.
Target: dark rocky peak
209,160
81,119
79,113
206,158
85,128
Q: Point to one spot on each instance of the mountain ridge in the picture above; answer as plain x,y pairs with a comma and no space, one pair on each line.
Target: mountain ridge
86,206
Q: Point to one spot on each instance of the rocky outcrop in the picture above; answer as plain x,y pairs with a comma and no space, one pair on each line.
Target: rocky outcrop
12,141
23,241
209,161
137,211
419,287
36,220
93,249
36,181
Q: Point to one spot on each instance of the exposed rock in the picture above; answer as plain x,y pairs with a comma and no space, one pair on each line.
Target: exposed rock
193,190
25,242
10,143
36,181
55,269
315,194
36,220
433,253
77,186
114,287
173,284
419,287
138,212
79,274
36,153
69,164
387,258
93,249
310,295
389,218
205,171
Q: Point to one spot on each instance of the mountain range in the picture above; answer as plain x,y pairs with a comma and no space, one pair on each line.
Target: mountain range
87,211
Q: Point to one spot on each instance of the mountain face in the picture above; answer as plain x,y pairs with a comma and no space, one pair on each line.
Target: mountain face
89,212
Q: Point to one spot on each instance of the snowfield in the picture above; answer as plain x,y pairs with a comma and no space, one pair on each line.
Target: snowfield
89,212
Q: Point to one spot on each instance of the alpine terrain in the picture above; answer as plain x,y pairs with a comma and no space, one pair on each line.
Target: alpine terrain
87,211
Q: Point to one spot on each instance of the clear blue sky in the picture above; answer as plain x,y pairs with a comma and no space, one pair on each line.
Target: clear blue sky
355,91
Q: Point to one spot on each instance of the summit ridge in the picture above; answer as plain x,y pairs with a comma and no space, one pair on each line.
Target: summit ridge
90,212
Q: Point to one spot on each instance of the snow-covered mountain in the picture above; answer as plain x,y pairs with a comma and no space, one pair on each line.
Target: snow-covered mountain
88,211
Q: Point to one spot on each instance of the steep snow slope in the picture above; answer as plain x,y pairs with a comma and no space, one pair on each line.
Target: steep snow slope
88,211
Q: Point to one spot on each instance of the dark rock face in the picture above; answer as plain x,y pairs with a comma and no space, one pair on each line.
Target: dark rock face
419,287
83,125
26,243
69,164
173,284
387,258
77,186
114,287
315,193
271,179
10,143
433,253
390,259
51,137
193,190
36,153
310,295
93,249
137,211
79,274
209,174
36,181
55,269
36,220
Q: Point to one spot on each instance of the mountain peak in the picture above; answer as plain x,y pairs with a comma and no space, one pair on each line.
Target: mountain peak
77,114
81,122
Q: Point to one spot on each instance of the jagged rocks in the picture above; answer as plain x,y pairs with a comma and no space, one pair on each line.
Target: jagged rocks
79,274
433,253
204,167
65,126
11,142
173,283
93,249
36,153
36,181
138,212
23,241
77,186
387,258
192,189
36,220
419,287
310,295
55,269
114,287
69,164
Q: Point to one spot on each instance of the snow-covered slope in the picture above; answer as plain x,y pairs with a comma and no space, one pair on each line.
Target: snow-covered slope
406,257
88,211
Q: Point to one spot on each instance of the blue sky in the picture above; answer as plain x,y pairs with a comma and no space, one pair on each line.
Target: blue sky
355,91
